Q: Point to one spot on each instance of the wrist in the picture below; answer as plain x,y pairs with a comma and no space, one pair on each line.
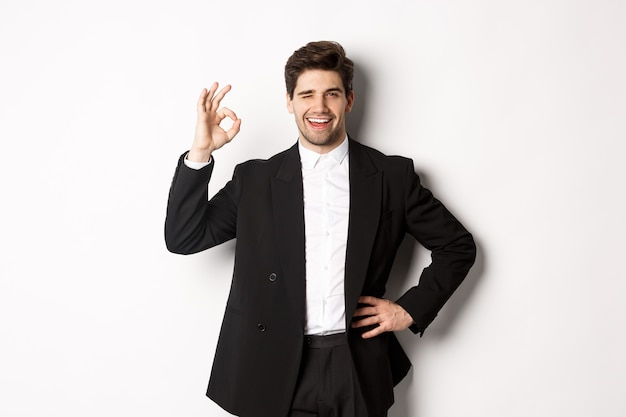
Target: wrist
198,155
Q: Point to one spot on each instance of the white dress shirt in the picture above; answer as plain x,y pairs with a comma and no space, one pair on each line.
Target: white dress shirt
326,185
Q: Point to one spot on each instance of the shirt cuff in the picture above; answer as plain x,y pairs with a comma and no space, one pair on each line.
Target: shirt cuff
196,165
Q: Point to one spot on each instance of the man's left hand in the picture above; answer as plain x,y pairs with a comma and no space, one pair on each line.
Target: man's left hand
389,316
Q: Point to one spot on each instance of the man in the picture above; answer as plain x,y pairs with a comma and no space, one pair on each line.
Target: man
306,330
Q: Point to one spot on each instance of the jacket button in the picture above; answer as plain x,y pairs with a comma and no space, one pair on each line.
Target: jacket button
273,277
261,327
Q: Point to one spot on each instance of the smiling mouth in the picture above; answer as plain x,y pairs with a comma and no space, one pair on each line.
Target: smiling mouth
318,122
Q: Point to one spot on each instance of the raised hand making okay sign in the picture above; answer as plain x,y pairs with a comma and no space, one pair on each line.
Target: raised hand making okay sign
209,134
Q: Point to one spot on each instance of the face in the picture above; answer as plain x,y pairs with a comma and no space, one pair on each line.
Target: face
319,106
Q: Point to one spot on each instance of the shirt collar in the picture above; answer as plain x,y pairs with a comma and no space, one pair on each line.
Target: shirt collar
309,158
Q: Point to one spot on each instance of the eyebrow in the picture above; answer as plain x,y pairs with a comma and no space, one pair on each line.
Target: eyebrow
306,92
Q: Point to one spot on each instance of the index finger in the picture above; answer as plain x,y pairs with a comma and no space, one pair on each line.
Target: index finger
232,132
368,299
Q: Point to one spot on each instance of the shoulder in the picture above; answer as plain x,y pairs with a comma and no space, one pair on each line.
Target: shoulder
270,165
378,158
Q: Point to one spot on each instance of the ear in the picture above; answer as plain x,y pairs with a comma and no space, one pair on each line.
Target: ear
289,103
350,101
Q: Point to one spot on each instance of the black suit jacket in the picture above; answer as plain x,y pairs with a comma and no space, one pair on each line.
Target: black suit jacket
260,345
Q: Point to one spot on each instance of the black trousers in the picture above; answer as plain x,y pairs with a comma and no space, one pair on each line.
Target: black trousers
327,385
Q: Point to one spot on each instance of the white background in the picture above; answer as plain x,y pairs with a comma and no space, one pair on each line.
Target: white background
515,116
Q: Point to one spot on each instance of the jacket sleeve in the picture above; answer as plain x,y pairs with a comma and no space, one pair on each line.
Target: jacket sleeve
192,222
452,247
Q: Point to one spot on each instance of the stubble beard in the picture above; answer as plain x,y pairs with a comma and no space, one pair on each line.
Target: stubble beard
322,139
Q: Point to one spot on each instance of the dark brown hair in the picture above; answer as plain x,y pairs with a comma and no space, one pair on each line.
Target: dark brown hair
323,55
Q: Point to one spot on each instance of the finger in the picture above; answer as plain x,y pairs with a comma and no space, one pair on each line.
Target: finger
226,112
234,129
202,100
368,299
365,311
373,333
215,101
368,321
212,90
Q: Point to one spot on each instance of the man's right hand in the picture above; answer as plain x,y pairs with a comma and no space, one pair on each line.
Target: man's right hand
209,135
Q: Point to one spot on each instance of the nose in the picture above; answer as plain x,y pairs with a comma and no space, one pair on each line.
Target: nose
319,103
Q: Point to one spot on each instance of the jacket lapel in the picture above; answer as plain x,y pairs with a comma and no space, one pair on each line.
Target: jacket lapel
288,211
365,206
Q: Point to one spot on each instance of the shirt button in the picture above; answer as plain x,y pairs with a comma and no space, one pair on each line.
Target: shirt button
273,277
261,327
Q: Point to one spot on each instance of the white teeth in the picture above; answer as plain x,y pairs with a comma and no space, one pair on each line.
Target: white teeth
318,120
